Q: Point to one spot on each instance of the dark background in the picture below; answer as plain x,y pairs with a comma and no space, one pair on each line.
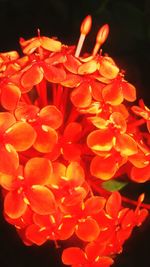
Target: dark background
128,44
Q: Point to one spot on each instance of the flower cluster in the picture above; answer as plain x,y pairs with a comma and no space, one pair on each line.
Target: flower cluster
66,125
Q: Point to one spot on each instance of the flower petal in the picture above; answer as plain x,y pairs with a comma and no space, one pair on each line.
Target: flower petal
81,96
87,230
73,255
112,94
73,131
129,91
21,135
75,174
54,74
36,234
99,167
9,161
94,205
6,120
10,96
46,139
71,80
41,199
50,44
51,116
88,67
38,171
113,204
108,70
14,205
126,145
100,140
32,76
119,121
72,64
140,175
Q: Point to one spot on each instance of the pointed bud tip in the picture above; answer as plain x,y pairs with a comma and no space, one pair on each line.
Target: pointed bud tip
86,25
141,198
102,34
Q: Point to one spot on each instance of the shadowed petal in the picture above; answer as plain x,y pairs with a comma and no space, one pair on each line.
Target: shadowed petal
10,96
73,255
36,234
9,160
14,205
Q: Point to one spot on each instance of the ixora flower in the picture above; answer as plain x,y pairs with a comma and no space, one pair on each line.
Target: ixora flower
67,136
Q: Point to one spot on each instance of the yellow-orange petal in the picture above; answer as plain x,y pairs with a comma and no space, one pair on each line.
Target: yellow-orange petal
21,136
72,131
71,80
54,74
103,168
129,91
14,205
51,116
9,160
73,255
59,170
81,96
32,76
72,64
88,67
10,96
41,199
50,44
113,204
38,171
100,140
112,94
126,145
46,139
140,175
87,230
108,70
75,174
119,121
30,45
139,159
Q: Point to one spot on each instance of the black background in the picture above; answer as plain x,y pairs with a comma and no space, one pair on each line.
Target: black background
128,44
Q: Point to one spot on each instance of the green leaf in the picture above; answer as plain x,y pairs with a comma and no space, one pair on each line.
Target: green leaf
114,185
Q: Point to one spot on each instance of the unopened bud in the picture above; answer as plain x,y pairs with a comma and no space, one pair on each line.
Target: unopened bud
86,25
102,34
